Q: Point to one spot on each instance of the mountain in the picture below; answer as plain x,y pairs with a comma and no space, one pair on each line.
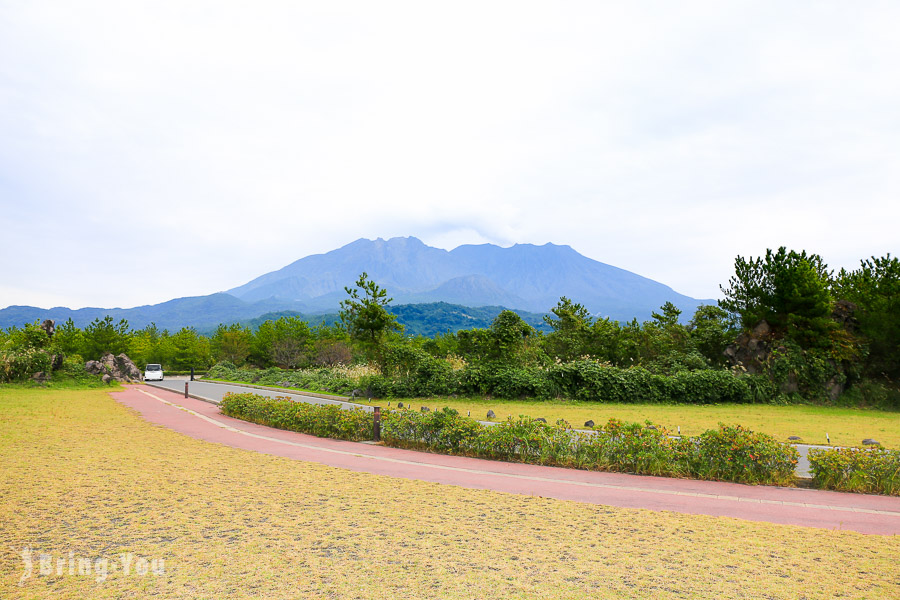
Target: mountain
202,312
524,277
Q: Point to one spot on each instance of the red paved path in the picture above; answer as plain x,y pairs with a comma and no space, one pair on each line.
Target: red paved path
795,506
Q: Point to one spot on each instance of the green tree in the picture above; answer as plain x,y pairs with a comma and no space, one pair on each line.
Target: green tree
189,349
103,336
711,331
69,338
292,343
507,342
231,343
143,346
875,290
571,334
789,290
366,319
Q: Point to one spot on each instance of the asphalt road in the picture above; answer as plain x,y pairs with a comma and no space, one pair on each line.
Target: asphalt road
214,391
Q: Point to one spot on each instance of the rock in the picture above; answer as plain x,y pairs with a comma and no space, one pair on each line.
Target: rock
588,423
490,414
118,368
762,329
56,362
651,427
425,409
834,388
871,442
541,419
93,367
794,438
399,405
41,377
49,326
356,393
751,349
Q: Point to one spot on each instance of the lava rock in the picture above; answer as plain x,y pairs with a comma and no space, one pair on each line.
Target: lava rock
490,414
871,442
588,423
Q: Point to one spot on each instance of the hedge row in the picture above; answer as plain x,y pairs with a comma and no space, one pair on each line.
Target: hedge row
581,380
865,470
322,420
725,454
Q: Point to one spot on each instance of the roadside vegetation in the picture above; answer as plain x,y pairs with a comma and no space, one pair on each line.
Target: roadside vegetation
787,332
83,474
724,454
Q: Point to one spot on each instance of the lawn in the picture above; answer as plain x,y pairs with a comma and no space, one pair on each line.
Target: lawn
84,475
844,426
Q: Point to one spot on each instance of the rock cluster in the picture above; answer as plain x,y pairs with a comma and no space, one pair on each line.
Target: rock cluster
751,349
114,368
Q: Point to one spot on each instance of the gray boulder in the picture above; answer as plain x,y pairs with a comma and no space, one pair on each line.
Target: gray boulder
114,368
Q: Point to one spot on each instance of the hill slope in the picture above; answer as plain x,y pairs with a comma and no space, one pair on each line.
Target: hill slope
523,277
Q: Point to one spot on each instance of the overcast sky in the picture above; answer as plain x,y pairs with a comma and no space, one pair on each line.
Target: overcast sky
153,150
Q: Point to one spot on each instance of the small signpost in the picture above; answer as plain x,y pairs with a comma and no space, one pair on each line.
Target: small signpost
376,424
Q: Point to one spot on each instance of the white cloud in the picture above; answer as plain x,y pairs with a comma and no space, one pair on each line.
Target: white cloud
659,138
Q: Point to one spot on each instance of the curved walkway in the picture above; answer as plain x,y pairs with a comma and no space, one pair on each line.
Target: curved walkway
794,506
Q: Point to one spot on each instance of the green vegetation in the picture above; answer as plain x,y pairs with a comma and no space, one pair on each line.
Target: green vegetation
787,332
844,426
869,470
725,454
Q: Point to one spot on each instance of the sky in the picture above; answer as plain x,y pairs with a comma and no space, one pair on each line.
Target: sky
161,149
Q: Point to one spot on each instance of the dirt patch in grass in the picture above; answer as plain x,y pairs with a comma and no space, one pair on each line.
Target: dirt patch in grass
82,474
844,426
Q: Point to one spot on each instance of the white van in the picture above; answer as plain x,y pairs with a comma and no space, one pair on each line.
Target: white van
153,373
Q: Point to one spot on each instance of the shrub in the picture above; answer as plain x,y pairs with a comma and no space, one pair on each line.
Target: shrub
21,363
732,453
322,420
865,470
728,454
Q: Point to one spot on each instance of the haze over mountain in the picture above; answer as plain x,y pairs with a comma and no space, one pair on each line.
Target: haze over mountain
523,277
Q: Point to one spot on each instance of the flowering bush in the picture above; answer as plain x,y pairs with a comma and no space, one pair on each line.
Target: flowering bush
322,420
727,454
865,470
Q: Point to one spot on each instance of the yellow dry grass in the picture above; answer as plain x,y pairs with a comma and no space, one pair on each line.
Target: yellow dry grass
80,473
844,426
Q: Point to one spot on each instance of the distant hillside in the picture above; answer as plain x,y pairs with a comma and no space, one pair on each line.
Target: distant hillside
420,319
482,278
202,312
523,277
205,313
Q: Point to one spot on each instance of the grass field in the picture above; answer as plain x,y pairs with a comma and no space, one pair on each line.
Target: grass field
82,474
845,426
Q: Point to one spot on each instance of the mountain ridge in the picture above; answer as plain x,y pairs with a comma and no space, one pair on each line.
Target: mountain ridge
523,277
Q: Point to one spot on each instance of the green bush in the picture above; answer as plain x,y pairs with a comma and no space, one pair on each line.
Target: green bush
732,453
864,470
21,363
727,454
322,420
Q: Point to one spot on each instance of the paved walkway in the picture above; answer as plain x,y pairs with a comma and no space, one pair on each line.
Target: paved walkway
795,506
214,391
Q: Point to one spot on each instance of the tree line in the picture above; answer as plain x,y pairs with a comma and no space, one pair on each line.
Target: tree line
821,329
